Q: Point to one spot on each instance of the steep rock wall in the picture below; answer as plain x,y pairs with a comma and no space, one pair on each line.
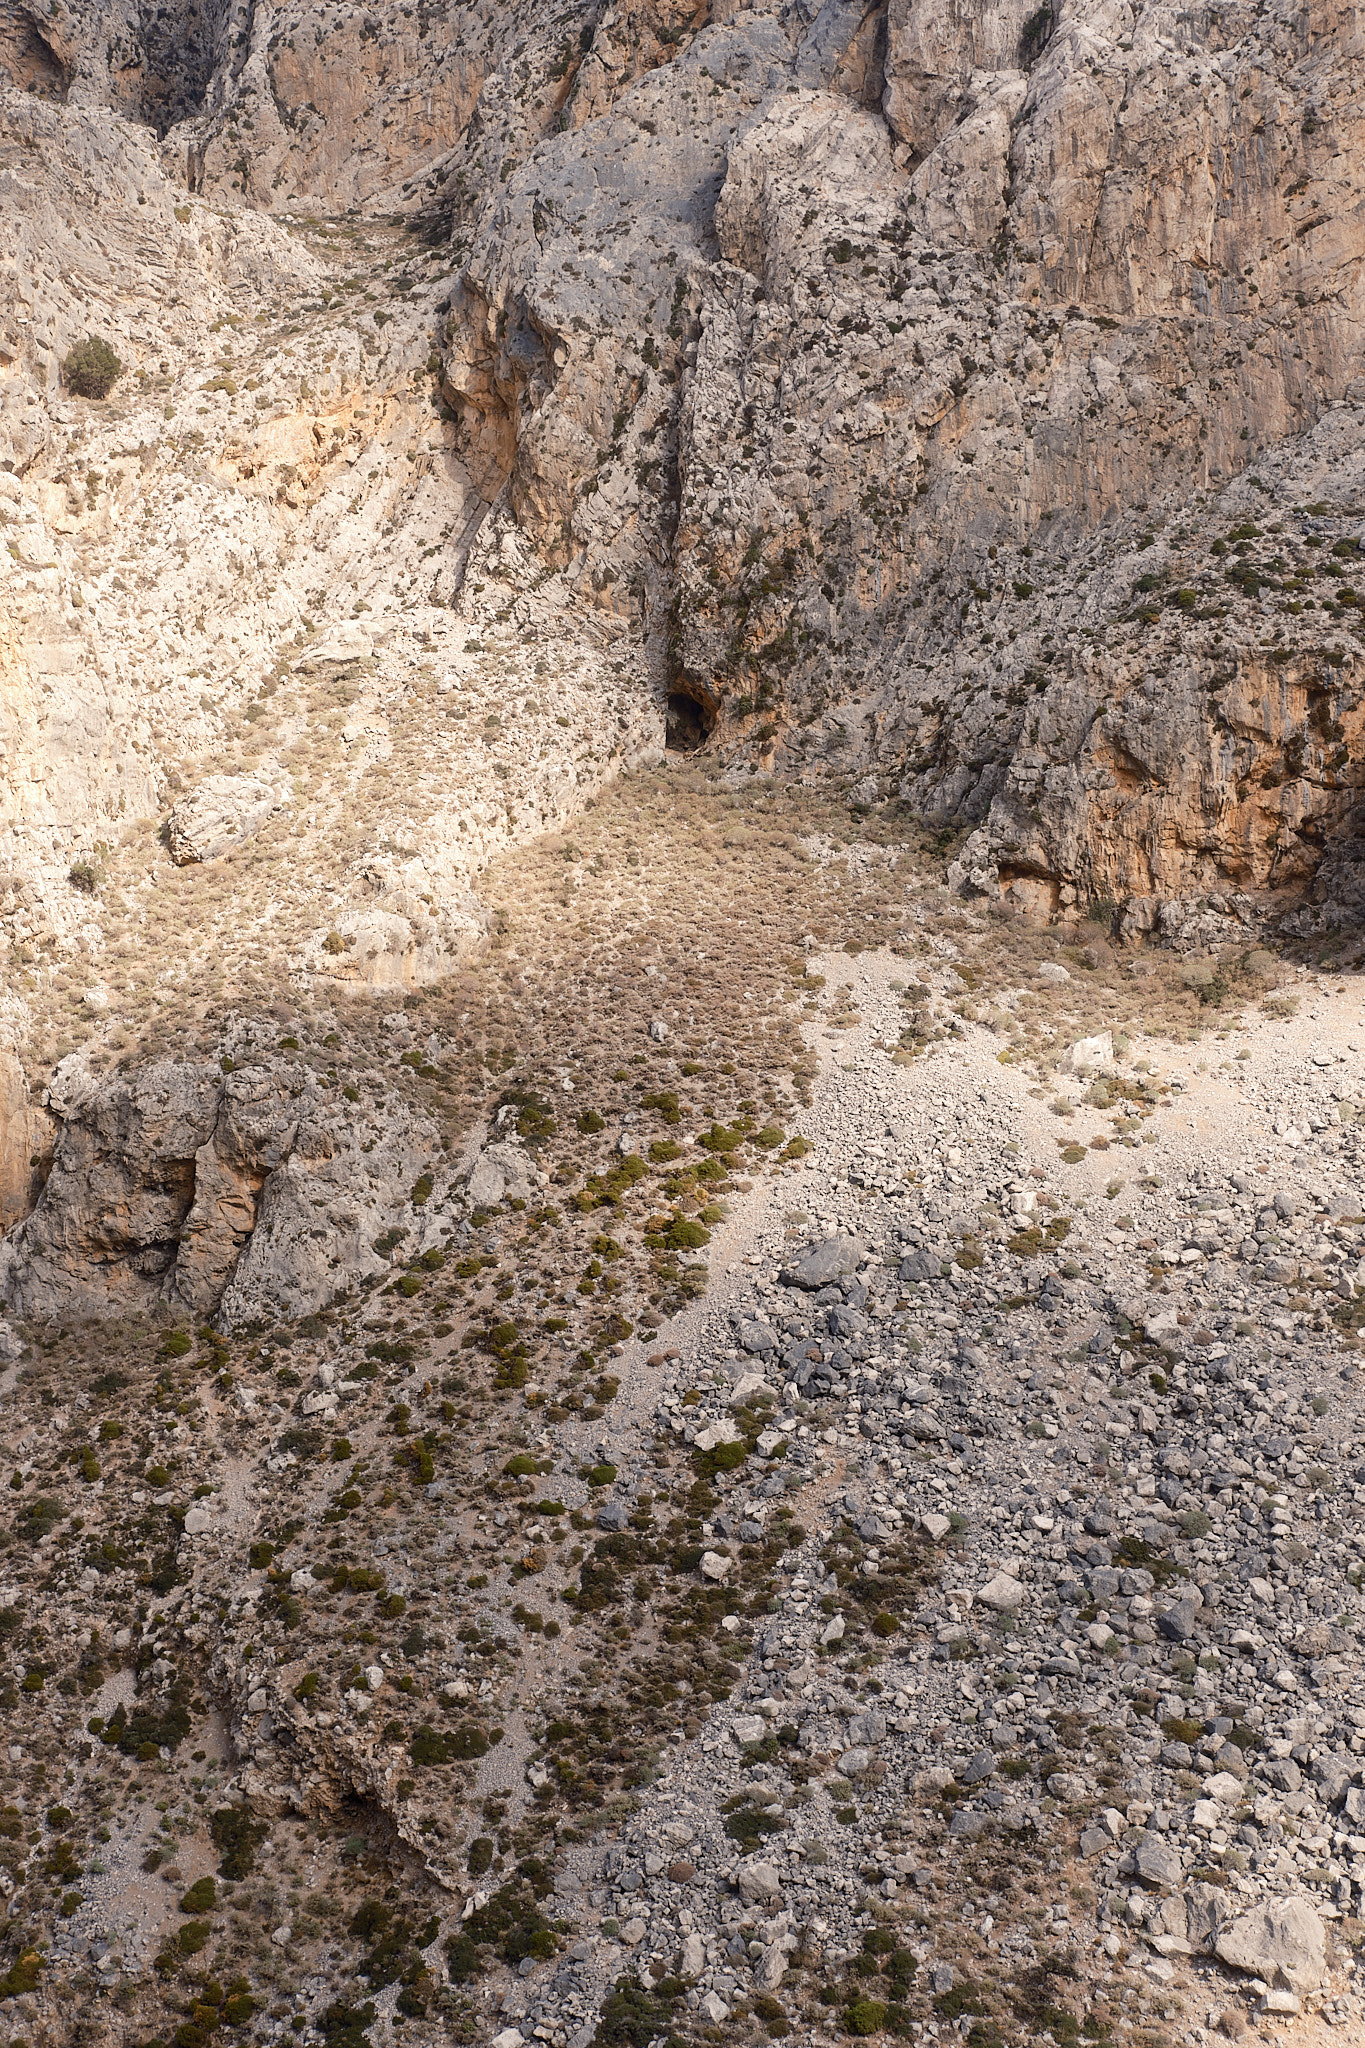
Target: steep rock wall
246,1194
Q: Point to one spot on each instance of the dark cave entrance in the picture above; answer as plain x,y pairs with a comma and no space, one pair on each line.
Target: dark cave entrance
689,722
28,60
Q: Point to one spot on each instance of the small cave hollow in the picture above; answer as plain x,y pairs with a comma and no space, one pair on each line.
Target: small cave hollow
689,721
27,59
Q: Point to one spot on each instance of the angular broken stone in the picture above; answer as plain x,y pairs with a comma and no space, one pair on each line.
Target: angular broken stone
919,1265
223,812
501,1173
1177,1623
1089,1053
748,1383
715,1434
1003,1594
1206,1909
1332,1774
759,1884
1155,1861
818,1265
1280,1940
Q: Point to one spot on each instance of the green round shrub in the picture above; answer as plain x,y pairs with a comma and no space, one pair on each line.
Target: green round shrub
92,369
865,2016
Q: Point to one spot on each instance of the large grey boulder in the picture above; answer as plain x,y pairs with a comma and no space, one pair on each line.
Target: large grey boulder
1155,1861
1334,1773
1206,1909
1281,1940
919,1265
759,1884
1177,1623
223,812
1003,1594
818,1265
501,1173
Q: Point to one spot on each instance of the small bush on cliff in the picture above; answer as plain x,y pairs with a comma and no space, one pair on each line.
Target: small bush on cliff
92,369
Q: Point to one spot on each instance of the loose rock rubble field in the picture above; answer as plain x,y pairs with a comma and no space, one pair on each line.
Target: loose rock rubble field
891,1571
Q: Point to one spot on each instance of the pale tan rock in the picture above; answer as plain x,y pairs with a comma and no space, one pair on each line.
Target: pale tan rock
502,1172
224,811
1281,1940
25,1142
932,55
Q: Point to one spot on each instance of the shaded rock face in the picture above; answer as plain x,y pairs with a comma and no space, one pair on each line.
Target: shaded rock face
242,1194
24,1141
874,397
153,64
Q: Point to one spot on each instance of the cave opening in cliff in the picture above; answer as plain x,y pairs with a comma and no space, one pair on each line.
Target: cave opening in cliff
28,60
689,722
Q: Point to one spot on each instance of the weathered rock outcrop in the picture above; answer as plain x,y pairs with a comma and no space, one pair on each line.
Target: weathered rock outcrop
222,812
23,1140
886,356
247,1194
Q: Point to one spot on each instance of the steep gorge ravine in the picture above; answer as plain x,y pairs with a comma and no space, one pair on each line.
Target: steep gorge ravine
692,647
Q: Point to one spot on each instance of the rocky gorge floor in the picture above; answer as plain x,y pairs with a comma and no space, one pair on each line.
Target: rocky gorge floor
886,1571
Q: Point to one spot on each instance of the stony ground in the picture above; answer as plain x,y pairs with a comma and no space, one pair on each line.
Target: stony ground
838,1522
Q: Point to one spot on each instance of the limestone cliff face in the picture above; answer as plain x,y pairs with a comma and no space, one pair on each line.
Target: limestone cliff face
22,1134
768,322
800,367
